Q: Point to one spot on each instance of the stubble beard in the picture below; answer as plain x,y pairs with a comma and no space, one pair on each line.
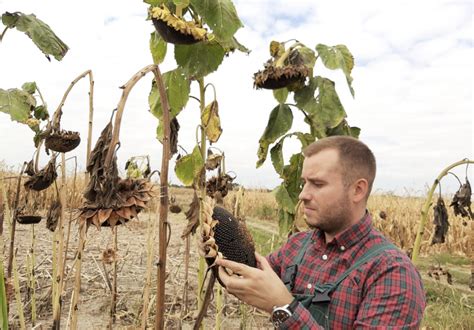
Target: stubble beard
335,219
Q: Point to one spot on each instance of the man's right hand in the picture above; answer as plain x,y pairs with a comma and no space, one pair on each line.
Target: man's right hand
260,287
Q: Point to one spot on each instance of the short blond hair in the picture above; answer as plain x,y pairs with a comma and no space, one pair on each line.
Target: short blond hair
356,159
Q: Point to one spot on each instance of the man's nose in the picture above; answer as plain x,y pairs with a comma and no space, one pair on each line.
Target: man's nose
303,194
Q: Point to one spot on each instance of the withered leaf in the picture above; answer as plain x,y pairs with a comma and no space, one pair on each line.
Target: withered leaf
462,201
440,221
44,178
192,215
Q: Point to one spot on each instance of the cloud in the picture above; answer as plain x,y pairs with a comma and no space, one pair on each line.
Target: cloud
412,80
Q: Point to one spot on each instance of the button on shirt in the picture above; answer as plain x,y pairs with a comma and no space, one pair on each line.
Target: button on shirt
386,291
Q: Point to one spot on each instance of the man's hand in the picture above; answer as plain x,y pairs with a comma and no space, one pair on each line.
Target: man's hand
260,287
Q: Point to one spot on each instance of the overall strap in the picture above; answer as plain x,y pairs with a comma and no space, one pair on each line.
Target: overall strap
292,269
368,255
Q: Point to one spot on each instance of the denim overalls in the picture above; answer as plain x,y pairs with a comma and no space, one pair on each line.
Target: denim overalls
318,303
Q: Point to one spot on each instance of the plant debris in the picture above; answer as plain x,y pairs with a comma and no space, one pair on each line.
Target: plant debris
174,29
221,184
440,221
108,256
462,201
437,272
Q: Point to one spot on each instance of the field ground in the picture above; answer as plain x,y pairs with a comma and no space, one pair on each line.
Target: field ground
449,305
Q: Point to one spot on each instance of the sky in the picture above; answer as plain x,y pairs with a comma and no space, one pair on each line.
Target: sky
412,80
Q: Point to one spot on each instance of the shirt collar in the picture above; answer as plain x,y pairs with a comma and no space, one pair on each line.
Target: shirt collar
348,237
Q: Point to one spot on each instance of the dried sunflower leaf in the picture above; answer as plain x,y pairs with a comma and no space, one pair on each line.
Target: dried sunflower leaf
440,221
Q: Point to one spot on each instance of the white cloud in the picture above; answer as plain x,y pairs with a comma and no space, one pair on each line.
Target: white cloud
412,79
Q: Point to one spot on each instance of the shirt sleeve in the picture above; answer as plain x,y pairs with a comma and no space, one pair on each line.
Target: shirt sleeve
300,319
394,297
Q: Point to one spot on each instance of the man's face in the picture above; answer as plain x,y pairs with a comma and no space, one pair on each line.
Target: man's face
325,198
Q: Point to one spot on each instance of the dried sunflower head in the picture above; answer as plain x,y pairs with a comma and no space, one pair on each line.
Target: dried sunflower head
28,219
44,178
174,29
62,141
278,77
110,200
225,235
286,68
130,199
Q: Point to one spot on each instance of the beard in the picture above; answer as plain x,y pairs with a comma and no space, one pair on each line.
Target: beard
333,218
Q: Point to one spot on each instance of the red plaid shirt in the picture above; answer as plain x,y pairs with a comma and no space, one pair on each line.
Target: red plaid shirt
384,292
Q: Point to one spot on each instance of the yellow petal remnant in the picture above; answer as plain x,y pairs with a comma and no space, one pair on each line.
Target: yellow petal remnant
186,28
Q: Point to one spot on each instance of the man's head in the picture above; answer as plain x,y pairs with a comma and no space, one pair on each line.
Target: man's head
338,173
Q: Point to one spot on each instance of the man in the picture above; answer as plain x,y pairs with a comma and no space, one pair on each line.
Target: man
343,274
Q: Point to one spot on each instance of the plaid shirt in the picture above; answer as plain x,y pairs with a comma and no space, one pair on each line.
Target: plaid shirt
385,292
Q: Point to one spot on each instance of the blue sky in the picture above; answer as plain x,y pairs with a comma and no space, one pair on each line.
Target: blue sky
412,80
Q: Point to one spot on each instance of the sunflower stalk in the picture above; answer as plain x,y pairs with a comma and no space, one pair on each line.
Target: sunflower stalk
31,262
13,224
187,249
149,267
19,303
164,199
68,235
113,303
77,280
58,247
280,62
202,186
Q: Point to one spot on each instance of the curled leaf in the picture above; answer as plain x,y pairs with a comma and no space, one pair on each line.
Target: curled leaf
211,121
440,221
39,32
462,201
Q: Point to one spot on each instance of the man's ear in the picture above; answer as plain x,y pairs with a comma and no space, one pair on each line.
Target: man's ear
360,190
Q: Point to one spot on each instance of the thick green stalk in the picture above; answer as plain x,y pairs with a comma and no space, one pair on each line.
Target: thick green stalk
202,185
4,212
426,207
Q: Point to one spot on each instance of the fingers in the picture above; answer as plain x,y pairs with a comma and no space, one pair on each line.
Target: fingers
224,277
236,267
262,262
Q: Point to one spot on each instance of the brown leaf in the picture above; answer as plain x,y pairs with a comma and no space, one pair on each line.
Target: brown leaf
440,221
104,214
192,215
